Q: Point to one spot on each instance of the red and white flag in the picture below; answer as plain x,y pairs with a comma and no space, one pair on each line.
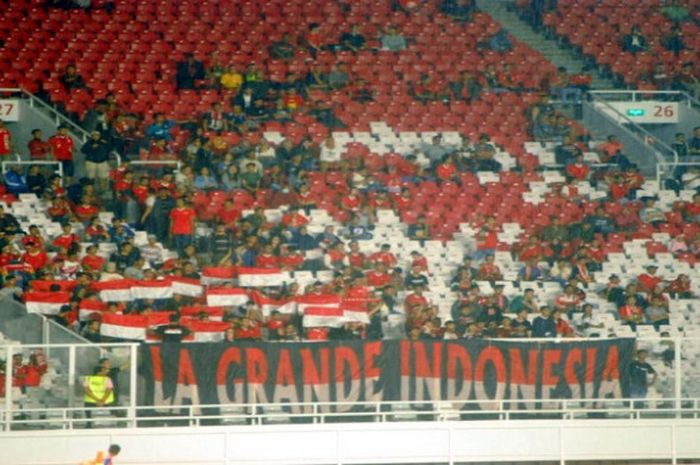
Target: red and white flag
226,297
186,286
113,291
261,277
268,304
46,303
151,289
355,311
88,307
132,327
317,300
332,317
206,331
192,311
218,274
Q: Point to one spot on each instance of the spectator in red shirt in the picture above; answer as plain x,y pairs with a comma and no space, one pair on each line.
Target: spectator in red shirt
631,314
489,271
384,256
91,261
39,149
62,146
267,259
35,257
67,237
648,281
578,170
6,145
182,219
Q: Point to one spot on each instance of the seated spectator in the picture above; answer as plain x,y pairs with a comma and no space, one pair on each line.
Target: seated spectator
657,313
466,88
590,323
338,77
489,271
500,42
578,170
205,181
544,325
282,49
188,72
461,10
631,313
231,79
563,328
634,41
353,41
15,182
676,12
393,41
71,80
567,152
680,287
674,41
651,214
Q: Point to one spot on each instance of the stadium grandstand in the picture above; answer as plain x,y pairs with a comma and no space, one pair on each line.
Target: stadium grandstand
364,231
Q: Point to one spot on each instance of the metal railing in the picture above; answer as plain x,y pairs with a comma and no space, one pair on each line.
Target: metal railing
322,412
19,162
157,163
641,95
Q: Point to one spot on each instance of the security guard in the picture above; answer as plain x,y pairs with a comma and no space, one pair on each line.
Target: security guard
99,390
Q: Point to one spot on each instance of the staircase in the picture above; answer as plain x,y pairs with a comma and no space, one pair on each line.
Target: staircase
550,48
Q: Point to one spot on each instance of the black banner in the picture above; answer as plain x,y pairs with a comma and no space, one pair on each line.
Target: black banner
355,371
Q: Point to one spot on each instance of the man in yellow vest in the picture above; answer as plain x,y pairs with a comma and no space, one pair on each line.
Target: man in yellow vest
99,390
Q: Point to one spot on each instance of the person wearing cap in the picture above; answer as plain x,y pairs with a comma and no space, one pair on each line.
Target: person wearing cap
96,152
648,281
62,146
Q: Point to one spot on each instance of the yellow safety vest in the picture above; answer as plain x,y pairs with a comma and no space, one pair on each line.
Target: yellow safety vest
98,387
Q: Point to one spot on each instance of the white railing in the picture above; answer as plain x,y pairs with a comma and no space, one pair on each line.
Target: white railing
641,95
323,412
662,173
19,162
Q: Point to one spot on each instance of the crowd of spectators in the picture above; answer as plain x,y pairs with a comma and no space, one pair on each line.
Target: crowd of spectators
211,211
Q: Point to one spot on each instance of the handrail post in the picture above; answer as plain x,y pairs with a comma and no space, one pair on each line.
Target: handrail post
678,377
8,387
133,365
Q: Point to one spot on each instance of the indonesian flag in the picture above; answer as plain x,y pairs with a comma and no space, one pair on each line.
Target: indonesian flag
44,285
317,300
214,313
89,306
46,303
323,316
151,289
186,286
226,297
355,311
268,304
261,277
113,291
206,331
131,326
218,274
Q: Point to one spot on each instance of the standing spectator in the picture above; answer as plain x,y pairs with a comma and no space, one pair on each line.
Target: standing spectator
694,144
62,146
6,145
182,219
640,371
96,151
188,72
39,149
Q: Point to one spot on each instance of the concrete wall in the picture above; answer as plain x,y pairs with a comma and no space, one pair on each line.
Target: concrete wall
368,443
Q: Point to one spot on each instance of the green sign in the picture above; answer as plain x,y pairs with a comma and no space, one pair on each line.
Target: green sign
635,112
